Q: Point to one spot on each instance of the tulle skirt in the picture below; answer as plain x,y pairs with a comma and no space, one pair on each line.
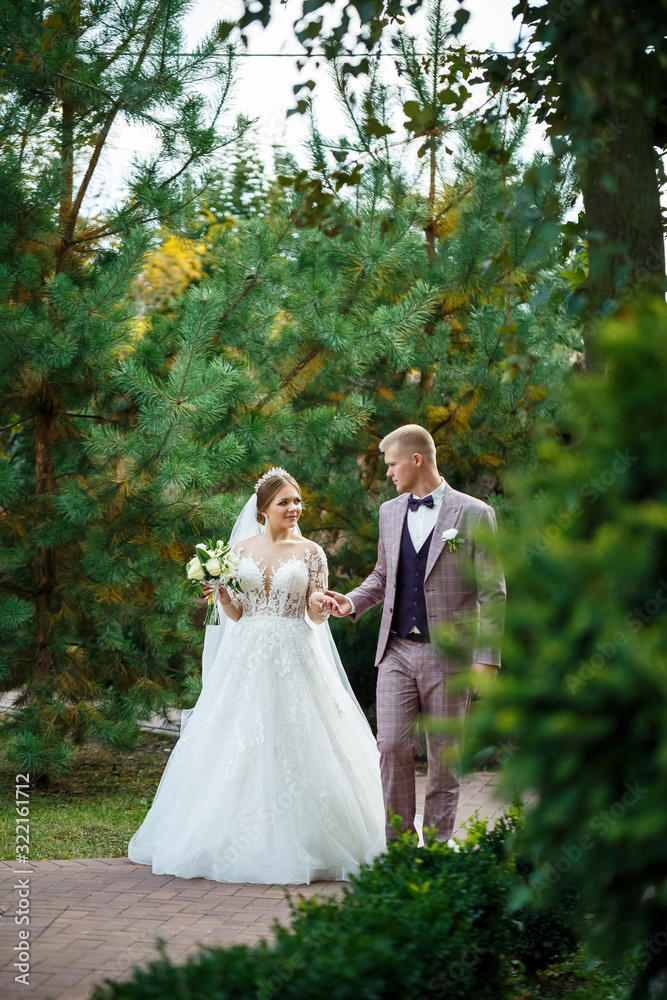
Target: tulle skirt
275,778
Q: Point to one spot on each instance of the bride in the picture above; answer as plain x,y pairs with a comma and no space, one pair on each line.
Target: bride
275,777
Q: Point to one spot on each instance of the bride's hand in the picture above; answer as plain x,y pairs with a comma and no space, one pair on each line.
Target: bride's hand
340,604
323,603
208,589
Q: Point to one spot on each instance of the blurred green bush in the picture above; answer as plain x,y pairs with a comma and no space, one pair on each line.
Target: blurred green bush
420,922
583,693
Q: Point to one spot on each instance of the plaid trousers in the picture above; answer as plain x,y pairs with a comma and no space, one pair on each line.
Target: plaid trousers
413,682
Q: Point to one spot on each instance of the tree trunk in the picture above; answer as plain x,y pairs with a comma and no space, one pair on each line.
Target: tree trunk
67,179
427,375
430,225
45,576
622,201
45,559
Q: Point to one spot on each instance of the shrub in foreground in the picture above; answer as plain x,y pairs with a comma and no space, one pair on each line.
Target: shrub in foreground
422,923
417,923
586,698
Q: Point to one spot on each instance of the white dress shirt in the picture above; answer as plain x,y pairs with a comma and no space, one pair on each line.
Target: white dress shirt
421,523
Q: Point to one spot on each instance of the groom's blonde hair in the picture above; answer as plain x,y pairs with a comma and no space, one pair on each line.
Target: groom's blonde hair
411,439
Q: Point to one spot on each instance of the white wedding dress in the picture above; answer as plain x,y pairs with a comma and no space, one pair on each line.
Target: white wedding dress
275,778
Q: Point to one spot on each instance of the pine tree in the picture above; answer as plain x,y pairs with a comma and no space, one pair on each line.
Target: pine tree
82,533
298,335
334,333
241,192
428,113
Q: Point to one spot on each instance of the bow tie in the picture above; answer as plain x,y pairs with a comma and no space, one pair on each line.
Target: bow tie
414,503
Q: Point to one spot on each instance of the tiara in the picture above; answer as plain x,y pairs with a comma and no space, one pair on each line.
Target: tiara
269,475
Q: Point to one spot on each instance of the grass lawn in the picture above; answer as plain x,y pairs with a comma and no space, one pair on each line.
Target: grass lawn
573,979
92,811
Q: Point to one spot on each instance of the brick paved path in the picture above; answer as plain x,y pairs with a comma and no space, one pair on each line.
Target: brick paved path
97,918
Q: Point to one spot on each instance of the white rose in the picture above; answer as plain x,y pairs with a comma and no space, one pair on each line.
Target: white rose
195,570
453,845
213,567
449,534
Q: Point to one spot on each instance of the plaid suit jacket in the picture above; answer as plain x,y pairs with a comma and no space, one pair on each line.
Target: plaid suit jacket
465,588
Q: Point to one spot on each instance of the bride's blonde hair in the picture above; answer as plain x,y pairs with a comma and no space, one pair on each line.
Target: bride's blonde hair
268,489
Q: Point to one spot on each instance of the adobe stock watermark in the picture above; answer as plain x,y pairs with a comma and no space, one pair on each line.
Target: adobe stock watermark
22,914
438,986
266,815
599,145
505,750
566,9
640,275
284,973
653,946
571,854
605,651
591,491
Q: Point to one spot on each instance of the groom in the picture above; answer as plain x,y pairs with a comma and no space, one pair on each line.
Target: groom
424,579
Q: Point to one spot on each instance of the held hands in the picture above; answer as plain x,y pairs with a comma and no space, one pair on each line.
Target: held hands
338,605
324,604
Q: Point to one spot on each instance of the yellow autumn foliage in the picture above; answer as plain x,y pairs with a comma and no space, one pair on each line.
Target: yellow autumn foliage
446,213
169,271
454,415
137,331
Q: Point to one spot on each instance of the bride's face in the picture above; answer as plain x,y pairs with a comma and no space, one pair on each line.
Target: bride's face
285,508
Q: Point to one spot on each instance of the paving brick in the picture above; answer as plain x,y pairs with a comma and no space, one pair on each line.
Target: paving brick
62,980
101,917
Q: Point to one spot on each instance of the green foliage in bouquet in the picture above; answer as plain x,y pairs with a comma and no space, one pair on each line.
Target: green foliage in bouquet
584,689
216,564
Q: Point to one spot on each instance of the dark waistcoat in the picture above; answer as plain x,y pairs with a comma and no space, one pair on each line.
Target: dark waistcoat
410,603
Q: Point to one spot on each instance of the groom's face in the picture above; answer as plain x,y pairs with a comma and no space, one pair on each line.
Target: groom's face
402,469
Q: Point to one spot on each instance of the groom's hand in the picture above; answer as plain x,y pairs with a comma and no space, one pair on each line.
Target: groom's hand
344,606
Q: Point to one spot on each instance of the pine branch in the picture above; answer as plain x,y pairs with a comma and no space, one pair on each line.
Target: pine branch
89,416
99,145
179,399
120,281
88,176
17,423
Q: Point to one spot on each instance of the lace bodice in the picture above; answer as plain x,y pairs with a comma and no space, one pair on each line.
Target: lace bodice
284,588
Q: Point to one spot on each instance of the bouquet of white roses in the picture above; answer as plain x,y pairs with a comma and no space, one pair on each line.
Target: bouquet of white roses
217,565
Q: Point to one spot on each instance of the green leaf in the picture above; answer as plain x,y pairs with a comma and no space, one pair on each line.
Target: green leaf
461,18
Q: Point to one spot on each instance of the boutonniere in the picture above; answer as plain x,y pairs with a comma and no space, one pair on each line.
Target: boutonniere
451,536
